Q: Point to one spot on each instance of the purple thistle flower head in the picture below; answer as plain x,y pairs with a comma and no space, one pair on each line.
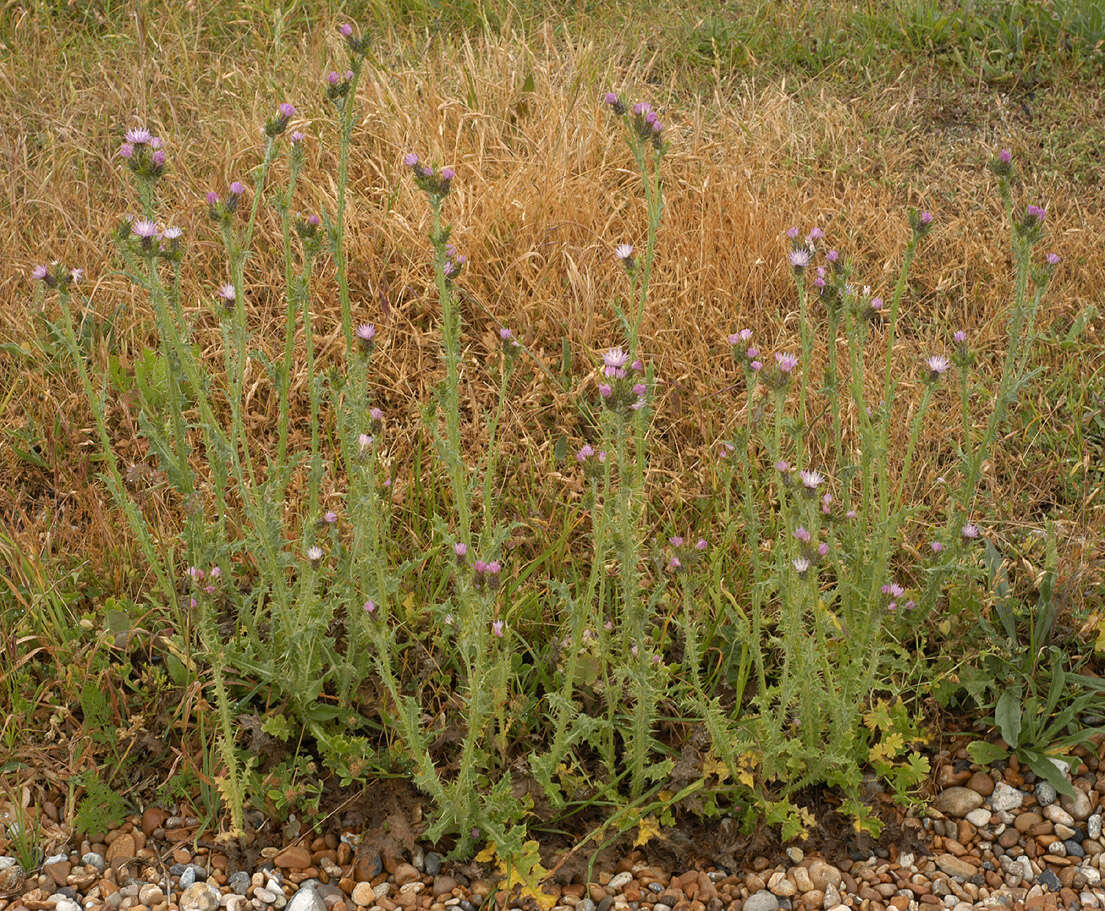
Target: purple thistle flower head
970,531
333,78
926,218
639,389
700,545
585,452
799,258
786,362
850,514
734,339
676,541
346,30
286,110
365,442
212,198
623,251
494,567
237,188
348,75
370,607
314,221
832,256
802,535
158,158
1035,212
330,517
756,366
615,358
822,549
126,150
745,335
366,332
876,304
605,390
811,480
144,229
479,566
801,565
448,173
610,98
792,232
38,273
460,549
155,142
227,292
296,138
1006,156
936,547
752,353
505,334
782,467
497,629
937,365
640,108
138,136
601,456
376,414
1052,259
651,117
815,234
172,233
960,337
673,564
314,553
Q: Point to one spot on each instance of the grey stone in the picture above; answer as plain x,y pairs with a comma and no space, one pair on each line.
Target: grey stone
1045,793
95,861
585,904
188,877
7,862
1093,826
306,898
1006,797
958,802
264,895
433,863
1074,849
979,817
761,901
240,882
1049,880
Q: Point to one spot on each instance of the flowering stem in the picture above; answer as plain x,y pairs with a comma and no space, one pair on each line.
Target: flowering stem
806,338
292,292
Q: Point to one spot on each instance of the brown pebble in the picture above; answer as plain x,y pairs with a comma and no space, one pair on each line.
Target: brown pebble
122,848
405,873
1026,821
293,857
982,783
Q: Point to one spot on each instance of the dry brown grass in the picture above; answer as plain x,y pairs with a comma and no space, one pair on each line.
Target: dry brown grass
545,189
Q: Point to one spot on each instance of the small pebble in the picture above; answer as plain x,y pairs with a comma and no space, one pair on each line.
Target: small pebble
1045,793
1049,881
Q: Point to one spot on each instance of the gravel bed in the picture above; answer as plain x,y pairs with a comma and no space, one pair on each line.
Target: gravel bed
991,840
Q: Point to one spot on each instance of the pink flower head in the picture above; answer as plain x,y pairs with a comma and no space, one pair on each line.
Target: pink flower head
639,389
227,292
348,75
497,629
792,232
330,517
815,234
448,173
811,480
237,188
641,108
370,607
734,339
637,366
799,257
752,353
376,414
610,98
313,220
1006,156
296,137
126,150
365,442
286,110
832,256
144,229
850,514
756,366
802,535
215,573
615,359
926,218
822,549
172,233
410,159
970,531
937,364
601,455
675,563
212,198
158,158
801,565
138,137
195,573
623,252
460,549
494,567
1035,212
479,566
936,547
876,304
366,332
782,467
700,545
346,30
314,553
1052,259
786,362
38,273
960,337
333,78
585,452
676,541
505,334
605,390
